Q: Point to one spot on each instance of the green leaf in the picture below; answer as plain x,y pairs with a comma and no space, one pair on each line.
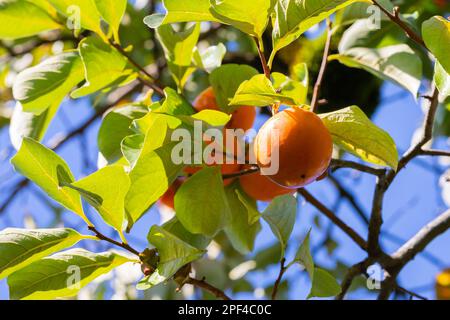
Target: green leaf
27,124
260,92
250,205
45,168
14,14
105,190
112,12
57,276
201,203
295,90
88,13
250,17
303,256
324,285
241,233
436,34
173,254
363,34
211,58
175,104
212,117
104,66
174,227
399,64
225,81
442,81
280,215
114,128
45,85
21,247
294,17
150,178
355,133
181,11
179,50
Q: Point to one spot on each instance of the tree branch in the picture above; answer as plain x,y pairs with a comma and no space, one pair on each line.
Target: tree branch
421,240
336,220
339,163
101,236
395,17
207,287
280,276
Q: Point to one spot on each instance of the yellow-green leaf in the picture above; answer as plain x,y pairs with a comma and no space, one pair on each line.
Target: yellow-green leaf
355,133
61,275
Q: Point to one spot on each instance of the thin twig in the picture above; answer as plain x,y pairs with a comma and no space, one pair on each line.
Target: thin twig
280,276
395,17
352,273
323,68
152,83
262,57
208,287
338,164
442,153
101,236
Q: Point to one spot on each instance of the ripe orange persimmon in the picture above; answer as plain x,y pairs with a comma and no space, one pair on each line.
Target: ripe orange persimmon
167,198
303,143
261,188
242,118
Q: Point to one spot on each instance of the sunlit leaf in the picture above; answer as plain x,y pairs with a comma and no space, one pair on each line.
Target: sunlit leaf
13,14
21,247
294,17
61,275
105,190
355,133
112,11
226,80
45,85
201,204
250,17
45,168
241,233
436,34
104,66
181,11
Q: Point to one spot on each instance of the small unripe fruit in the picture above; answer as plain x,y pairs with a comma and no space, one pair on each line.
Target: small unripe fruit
302,142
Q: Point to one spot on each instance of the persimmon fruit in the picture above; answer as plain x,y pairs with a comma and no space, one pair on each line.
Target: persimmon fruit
242,118
261,188
303,143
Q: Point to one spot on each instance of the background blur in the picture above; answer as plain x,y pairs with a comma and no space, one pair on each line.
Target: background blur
418,194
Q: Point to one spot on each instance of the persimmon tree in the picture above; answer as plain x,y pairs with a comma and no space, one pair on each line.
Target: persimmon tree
141,68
